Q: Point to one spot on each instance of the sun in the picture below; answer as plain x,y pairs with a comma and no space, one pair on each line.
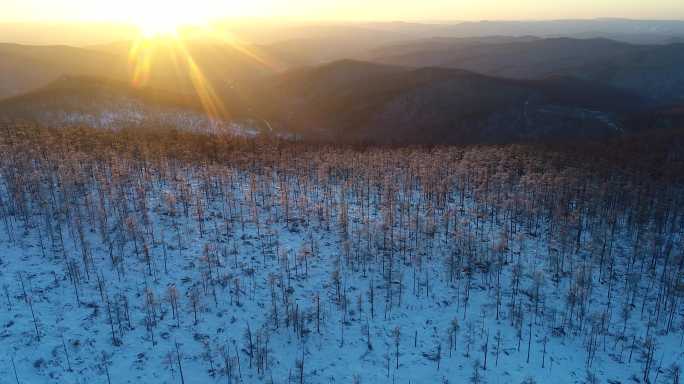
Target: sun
158,27
155,18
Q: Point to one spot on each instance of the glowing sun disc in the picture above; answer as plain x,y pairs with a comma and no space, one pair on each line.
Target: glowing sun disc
164,18
154,29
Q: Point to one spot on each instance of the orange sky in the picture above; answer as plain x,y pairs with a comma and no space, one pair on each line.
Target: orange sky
177,11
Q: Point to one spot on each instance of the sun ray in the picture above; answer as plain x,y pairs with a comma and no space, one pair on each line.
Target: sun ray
211,102
241,46
141,59
167,38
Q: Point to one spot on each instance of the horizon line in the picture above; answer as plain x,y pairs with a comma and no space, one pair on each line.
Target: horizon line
289,19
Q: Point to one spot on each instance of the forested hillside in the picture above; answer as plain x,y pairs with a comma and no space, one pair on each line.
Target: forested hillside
173,257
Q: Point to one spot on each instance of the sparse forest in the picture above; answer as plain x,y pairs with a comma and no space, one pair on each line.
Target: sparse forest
171,257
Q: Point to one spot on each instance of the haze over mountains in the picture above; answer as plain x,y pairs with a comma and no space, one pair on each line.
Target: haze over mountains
386,82
265,32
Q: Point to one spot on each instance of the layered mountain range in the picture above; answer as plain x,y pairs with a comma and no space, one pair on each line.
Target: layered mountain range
428,90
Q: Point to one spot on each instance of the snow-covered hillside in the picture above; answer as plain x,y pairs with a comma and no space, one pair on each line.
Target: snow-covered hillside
286,263
132,114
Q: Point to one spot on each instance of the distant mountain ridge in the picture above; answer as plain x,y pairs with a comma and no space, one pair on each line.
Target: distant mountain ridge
264,32
24,68
161,64
351,100
110,104
653,71
526,57
440,90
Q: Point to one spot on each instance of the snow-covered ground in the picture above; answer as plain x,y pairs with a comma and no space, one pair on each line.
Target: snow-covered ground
297,279
131,117
117,112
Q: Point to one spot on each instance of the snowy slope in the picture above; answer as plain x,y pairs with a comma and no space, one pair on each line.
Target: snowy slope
292,257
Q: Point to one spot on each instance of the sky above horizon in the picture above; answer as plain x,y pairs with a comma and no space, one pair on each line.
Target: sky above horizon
199,11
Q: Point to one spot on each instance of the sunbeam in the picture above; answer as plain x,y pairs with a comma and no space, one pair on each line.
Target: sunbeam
147,59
